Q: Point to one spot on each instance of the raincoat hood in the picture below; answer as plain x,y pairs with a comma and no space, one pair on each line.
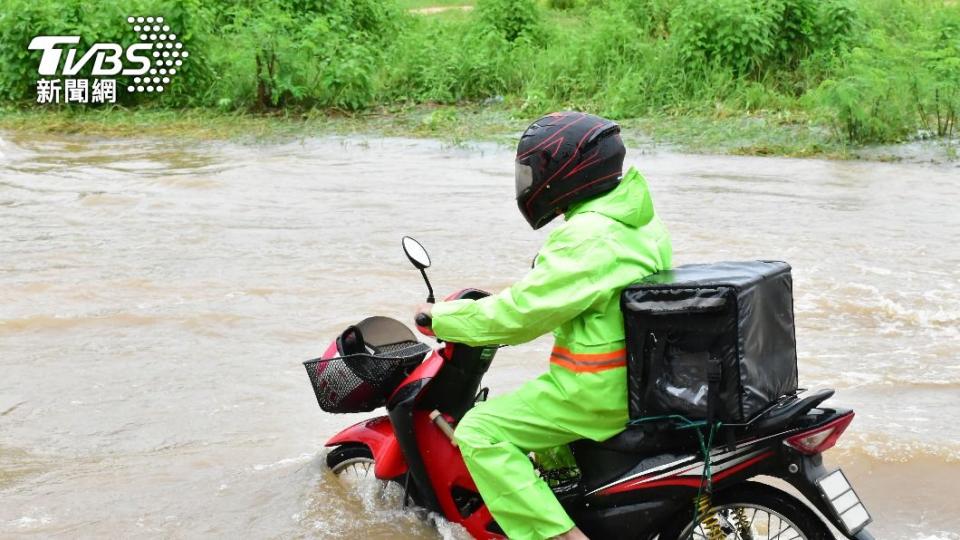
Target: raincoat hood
629,203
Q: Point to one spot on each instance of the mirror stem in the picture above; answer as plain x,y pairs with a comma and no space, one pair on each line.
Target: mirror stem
430,298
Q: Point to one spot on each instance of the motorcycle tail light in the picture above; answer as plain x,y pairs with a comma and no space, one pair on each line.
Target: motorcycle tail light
820,439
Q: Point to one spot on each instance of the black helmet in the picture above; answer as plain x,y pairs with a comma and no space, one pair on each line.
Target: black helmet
563,158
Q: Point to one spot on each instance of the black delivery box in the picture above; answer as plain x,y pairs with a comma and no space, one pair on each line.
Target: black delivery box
729,321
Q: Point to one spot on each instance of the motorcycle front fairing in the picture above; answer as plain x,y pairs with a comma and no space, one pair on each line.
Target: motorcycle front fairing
447,381
376,434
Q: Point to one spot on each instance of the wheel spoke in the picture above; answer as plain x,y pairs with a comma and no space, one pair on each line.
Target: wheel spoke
780,531
763,524
734,524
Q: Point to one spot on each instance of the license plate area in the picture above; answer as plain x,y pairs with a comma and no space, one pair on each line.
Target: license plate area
840,496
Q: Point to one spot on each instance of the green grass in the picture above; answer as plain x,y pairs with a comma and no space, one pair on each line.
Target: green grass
450,124
759,135
191,124
502,123
420,4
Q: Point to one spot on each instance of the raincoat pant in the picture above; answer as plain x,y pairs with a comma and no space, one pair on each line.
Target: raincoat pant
606,243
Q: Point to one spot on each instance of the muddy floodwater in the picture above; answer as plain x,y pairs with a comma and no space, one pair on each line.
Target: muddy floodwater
157,298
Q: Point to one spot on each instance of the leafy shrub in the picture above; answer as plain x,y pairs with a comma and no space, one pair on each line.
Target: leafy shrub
511,18
650,16
18,25
893,84
347,77
796,22
871,98
269,34
735,34
940,104
191,86
757,37
837,22
321,52
449,62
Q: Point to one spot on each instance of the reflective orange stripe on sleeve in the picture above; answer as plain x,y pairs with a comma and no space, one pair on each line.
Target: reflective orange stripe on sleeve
588,363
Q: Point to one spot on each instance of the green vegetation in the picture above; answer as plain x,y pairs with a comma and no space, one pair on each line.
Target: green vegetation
766,76
421,4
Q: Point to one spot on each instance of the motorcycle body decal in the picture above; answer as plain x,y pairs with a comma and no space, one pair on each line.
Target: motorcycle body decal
688,470
689,477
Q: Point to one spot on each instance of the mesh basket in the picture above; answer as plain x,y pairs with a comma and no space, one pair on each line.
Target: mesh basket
362,382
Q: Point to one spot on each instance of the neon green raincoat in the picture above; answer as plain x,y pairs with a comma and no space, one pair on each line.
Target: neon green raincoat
574,289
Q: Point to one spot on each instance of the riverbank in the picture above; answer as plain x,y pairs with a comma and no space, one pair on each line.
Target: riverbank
751,135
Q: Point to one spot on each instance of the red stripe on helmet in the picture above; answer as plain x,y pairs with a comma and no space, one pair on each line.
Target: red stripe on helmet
553,137
576,152
588,184
590,160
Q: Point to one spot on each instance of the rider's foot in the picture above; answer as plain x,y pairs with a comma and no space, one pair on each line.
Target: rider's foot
573,534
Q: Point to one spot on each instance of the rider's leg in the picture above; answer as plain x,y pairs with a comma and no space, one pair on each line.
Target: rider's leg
491,436
496,435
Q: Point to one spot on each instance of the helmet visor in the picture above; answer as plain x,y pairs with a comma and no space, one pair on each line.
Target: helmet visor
524,177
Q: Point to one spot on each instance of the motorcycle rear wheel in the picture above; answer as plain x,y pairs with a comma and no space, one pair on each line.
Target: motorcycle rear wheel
754,511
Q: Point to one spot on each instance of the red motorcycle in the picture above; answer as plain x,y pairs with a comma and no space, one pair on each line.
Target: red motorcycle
647,482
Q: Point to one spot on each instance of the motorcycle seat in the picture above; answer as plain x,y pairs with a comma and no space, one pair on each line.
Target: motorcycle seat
777,416
645,441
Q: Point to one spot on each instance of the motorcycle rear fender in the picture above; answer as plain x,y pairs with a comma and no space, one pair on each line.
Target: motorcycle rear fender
377,435
805,480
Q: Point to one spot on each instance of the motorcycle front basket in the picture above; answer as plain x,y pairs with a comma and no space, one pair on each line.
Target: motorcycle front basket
362,382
